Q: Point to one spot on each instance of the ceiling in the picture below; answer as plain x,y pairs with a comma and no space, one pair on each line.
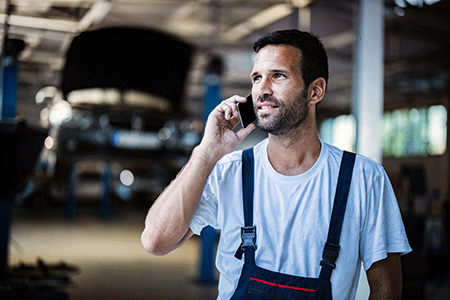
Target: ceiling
416,42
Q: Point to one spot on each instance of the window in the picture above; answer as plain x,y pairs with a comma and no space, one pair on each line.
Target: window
437,129
340,132
406,132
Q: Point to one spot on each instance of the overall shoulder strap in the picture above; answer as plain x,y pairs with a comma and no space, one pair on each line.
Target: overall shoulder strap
331,249
248,232
248,185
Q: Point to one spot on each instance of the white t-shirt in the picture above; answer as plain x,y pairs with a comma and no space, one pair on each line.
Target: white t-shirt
292,216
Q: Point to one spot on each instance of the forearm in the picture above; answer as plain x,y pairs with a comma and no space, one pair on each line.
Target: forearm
167,222
385,278
386,293
168,219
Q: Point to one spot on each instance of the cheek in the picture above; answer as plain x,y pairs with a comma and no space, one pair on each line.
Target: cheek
253,90
285,92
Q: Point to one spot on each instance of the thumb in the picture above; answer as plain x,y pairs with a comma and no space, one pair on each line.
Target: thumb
244,132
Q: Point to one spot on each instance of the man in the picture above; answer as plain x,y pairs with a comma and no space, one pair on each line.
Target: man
295,178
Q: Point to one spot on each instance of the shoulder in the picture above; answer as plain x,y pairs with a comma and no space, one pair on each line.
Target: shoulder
227,173
235,158
230,159
364,168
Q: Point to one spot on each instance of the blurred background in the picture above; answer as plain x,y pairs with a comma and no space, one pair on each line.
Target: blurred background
103,102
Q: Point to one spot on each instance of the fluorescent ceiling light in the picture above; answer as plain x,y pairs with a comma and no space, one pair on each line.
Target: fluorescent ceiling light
339,40
301,3
40,23
258,21
95,15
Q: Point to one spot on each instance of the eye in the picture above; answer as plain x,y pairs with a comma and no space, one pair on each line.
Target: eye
279,76
256,78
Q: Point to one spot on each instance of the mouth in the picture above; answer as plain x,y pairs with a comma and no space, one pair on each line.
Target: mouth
266,107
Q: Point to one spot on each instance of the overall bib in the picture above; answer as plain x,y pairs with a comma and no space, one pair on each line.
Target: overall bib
258,283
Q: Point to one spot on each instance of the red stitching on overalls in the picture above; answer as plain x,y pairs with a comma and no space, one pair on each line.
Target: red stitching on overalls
283,286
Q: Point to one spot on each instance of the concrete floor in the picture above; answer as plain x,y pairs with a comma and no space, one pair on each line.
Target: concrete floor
112,263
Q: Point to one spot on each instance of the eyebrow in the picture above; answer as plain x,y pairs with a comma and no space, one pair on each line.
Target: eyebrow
270,71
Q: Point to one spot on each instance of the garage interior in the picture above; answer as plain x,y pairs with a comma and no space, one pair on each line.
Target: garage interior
76,220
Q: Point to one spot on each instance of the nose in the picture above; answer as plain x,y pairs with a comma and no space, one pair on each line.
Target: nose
262,88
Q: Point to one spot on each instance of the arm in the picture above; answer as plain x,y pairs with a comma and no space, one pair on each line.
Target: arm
385,278
168,220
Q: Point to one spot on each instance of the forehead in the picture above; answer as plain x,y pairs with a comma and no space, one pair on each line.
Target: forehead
276,56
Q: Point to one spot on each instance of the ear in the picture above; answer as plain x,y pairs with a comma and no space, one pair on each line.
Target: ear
317,90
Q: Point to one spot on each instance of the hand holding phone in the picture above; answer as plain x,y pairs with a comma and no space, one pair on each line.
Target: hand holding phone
246,111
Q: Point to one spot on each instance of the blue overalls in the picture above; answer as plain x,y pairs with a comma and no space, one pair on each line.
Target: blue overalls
258,283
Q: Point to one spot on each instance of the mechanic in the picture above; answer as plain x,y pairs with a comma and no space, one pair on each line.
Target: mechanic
292,248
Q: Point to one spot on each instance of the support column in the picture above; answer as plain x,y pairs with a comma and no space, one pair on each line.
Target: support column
368,78
105,198
8,103
9,92
213,79
209,234
368,90
71,193
5,225
301,18
209,239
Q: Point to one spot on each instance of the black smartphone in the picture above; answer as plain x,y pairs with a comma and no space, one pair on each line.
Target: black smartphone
246,111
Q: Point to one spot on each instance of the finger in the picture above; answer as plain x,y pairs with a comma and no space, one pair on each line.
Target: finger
229,106
227,111
235,99
232,103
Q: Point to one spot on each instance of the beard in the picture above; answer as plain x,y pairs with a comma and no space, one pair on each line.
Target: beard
287,118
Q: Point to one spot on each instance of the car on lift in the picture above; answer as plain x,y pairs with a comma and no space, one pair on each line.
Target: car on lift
119,105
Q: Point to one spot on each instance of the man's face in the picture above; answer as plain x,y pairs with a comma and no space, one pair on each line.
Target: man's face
279,94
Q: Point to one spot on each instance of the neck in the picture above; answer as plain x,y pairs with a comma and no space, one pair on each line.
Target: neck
294,153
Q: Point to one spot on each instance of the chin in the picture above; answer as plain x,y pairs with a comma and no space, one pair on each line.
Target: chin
267,127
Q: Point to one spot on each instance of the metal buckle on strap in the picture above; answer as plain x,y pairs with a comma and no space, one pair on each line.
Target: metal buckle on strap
330,254
248,236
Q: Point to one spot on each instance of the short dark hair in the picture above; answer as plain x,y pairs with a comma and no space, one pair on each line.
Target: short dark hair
314,62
